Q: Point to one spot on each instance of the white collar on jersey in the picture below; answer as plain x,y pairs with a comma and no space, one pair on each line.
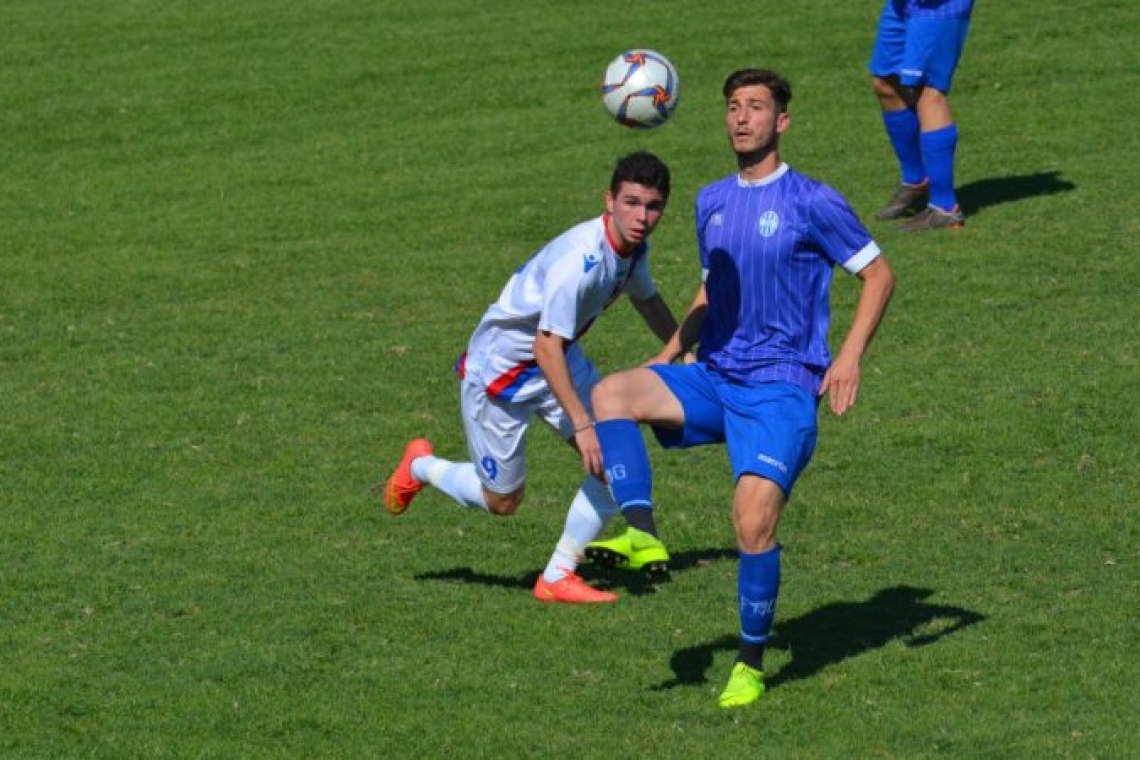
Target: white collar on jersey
781,170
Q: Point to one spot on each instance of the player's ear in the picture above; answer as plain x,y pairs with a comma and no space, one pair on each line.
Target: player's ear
609,202
782,122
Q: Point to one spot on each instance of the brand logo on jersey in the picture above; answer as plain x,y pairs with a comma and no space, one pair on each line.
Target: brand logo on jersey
592,259
769,223
716,220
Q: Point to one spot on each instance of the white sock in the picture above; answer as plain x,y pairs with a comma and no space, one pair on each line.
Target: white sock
456,479
592,508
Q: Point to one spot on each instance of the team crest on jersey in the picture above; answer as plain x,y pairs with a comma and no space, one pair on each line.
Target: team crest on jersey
768,224
592,259
716,220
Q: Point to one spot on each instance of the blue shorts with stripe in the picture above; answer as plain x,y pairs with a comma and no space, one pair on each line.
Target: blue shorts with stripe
918,50
769,428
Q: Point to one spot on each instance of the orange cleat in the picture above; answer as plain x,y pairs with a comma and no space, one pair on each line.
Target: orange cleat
570,590
402,487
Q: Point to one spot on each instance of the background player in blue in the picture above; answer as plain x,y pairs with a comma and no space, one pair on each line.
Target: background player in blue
917,48
769,239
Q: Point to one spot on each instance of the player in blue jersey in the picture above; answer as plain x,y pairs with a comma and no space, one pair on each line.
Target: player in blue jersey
916,52
769,238
523,361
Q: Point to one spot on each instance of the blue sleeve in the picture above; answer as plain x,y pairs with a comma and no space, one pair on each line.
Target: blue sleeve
835,227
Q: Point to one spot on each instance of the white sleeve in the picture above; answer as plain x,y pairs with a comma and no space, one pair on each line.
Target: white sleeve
861,259
560,300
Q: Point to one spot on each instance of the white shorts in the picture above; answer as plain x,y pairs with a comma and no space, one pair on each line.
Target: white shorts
496,430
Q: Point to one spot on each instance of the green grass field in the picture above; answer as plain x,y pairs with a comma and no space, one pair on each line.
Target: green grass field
243,244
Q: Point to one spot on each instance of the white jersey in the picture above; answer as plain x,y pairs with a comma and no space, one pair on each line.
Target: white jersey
562,289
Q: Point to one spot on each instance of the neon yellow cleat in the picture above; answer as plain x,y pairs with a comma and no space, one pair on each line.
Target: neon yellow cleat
633,550
744,686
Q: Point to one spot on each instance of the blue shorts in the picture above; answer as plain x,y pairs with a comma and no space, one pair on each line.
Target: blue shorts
770,428
919,51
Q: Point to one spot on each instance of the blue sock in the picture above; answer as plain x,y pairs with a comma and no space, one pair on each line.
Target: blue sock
902,129
938,149
627,462
758,583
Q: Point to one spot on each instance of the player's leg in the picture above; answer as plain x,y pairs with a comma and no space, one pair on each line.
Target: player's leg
901,122
934,48
771,432
664,397
903,126
900,119
460,481
590,510
621,402
757,505
496,440
939,140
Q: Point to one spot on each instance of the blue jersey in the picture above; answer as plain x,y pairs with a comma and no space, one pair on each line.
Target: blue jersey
767,250
933,9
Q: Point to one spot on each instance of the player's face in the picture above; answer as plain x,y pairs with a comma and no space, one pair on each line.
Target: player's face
634,212
753,123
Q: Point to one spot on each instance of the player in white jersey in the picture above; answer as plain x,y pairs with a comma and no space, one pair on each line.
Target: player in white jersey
524,361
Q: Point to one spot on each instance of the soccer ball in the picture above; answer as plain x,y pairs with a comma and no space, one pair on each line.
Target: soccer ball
641,89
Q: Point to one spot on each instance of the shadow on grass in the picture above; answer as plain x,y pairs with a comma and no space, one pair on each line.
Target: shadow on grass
467,575
631,583
682,561
835,632
997,190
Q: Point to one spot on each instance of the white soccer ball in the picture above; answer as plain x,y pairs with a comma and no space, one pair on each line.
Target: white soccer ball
641,89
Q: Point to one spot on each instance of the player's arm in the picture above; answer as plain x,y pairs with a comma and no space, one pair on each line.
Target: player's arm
656,315
841,382
550,353
686,335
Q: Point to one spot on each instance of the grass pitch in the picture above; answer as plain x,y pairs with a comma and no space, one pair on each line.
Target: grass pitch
243,244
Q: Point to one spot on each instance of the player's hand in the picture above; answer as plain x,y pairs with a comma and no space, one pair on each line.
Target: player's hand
841,384
664,358
591,450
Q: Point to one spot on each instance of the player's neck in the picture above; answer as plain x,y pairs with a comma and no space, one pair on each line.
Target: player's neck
758,165
621,248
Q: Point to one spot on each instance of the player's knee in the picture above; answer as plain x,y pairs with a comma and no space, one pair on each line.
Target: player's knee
934,102
503,504
756,513
611,398
890,93
756,537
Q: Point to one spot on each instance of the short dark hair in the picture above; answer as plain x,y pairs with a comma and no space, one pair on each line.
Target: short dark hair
780,88
641,168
